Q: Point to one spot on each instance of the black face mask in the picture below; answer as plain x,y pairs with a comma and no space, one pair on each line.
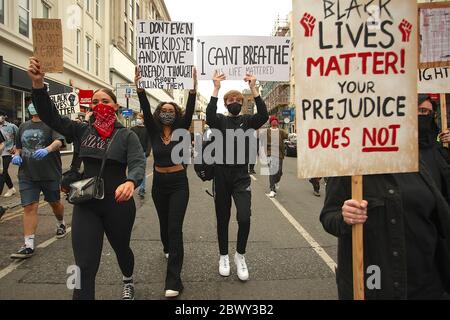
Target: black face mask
235,108
427,132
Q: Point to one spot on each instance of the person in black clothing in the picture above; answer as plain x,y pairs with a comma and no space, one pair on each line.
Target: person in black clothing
431,152
231,177
142,134
406,234
170,189
115,214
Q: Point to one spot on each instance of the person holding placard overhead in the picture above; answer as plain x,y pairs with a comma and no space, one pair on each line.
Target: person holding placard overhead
231,177
113,156
406,235
170,189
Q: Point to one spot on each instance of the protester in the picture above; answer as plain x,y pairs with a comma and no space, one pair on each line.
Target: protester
316,186
37,155
114,215
406,234
142,134
275,154
431,152
2,146
9,132
251,166
231,178
170,189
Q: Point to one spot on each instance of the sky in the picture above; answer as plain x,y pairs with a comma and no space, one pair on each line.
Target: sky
228,18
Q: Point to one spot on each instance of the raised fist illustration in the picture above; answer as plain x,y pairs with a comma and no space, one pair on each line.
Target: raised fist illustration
405,28
308,22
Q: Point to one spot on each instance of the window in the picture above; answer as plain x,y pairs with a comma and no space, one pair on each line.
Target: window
132,42
24,17
126,34
2,11
126,6
78,46
97,60
138,14
88,54
97,10
131,3
88,5
45,10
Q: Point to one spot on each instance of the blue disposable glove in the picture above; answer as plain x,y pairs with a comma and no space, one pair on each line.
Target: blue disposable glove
17,161
40,154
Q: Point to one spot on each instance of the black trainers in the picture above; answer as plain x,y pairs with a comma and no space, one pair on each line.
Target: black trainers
61,231
23,253
128,291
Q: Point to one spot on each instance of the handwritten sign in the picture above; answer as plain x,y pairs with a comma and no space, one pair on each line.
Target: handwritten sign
267,58
48,44
165,54
356,79
66,103
434,80
434,34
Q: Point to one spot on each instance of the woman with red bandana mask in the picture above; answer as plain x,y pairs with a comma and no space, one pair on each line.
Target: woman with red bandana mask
123,173
170,191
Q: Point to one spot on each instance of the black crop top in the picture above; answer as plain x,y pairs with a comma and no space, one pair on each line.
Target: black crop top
162,153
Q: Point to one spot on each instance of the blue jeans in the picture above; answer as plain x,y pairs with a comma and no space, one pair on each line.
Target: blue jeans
142,186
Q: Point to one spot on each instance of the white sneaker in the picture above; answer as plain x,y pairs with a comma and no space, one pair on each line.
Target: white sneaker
224,266
172,294
166,255
277,186
10,192
241,266
272,194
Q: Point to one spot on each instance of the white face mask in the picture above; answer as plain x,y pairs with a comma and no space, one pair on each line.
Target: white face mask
139,122
2,119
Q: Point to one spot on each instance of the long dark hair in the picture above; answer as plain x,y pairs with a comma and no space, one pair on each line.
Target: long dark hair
178,112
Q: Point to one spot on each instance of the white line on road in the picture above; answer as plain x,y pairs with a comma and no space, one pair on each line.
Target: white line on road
314,244
253,177
17,263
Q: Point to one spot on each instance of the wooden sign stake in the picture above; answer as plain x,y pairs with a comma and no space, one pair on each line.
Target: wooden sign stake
357,240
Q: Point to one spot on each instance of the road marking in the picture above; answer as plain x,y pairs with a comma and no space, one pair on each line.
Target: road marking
18,213
17,263
149,175
314,244
253,177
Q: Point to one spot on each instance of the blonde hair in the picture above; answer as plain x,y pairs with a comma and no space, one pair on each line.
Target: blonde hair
233,94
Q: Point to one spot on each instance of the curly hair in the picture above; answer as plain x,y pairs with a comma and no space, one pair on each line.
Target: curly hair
178,112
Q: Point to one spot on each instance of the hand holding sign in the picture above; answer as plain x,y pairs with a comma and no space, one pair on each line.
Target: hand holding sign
217,79
354,212
35,73
137,77
251,80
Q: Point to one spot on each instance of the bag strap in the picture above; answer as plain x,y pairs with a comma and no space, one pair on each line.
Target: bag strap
102,168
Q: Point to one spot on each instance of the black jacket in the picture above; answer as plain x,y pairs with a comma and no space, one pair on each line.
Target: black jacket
384,234
244,122
144,138
126,150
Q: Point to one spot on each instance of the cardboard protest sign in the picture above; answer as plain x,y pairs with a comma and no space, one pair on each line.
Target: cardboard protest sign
267,58
434,34
66,103
85,99
434,80
165,54
356,79
48,44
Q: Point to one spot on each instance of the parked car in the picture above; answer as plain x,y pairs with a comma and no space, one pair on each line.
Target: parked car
291,145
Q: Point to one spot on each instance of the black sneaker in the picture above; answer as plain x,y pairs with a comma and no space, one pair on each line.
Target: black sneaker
61,231
2,211
128,291
23,253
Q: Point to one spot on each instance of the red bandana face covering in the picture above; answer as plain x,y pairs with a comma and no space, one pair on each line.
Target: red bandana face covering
105,118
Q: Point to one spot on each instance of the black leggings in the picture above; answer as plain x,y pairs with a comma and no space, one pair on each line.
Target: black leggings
170,192
5,177
89,224
232,182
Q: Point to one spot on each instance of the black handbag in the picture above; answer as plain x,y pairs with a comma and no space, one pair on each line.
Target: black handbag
91,188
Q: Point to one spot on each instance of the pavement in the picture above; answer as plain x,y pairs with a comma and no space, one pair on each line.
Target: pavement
289,255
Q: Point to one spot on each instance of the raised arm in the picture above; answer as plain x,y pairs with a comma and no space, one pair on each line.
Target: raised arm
190,106
261,116
211,110
46,108
149,122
